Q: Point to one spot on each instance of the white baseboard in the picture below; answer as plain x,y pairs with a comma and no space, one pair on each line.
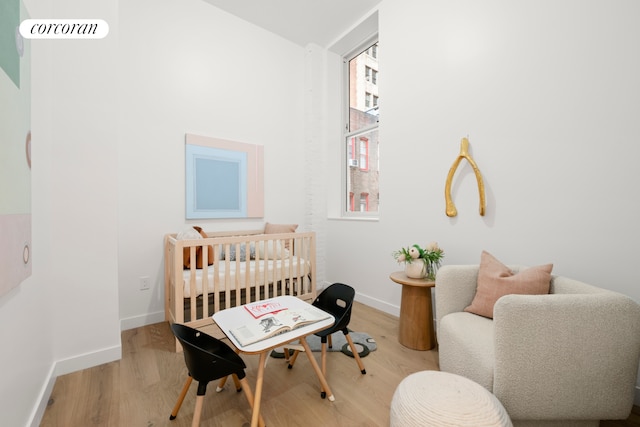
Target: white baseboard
88,360
65,366
394,310
142,320
43,399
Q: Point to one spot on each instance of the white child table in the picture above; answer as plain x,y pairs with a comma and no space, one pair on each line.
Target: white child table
235,317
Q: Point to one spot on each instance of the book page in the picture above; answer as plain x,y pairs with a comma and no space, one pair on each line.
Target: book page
259,330
295,318
276,323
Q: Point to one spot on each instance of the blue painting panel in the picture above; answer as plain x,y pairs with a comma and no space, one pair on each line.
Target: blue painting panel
216,183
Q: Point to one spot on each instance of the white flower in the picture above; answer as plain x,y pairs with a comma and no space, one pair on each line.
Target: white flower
432,246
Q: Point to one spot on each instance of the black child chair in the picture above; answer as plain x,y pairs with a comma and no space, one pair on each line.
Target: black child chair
208,359
336,299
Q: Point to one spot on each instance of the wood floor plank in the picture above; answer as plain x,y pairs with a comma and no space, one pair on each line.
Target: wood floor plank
141,388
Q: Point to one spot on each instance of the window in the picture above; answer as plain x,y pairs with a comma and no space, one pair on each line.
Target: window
371,75
364,202
373,51
364,154
360,140
351,149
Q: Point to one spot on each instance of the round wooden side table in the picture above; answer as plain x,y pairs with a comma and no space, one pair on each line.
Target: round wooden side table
416,314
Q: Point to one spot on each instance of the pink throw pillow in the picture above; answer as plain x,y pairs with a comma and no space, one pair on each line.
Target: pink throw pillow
280,228
496,280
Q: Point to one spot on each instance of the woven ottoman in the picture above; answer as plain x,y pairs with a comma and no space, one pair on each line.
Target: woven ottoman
434,398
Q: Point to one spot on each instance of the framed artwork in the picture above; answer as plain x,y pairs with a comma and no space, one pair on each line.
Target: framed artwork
15,148
224,179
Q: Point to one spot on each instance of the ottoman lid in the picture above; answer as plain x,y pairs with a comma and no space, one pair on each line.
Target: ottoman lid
444,399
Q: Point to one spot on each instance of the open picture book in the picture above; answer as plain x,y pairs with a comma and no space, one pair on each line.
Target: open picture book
281,321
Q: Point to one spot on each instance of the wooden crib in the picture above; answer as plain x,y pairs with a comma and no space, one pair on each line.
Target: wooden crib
246,266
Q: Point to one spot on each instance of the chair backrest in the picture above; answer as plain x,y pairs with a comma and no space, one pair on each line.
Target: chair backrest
337,299
206,357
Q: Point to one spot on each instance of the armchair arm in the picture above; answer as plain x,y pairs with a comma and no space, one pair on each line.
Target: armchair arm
569,356
455,288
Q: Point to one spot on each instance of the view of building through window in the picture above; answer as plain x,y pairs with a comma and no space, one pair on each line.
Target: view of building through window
361,139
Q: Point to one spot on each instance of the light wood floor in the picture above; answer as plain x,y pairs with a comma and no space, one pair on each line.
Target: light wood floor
141,388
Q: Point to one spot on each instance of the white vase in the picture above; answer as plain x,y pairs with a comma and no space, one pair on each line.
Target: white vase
415,270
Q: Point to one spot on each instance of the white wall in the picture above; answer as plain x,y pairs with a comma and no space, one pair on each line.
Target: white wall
548,94
65,316
188,67
109,119
82,187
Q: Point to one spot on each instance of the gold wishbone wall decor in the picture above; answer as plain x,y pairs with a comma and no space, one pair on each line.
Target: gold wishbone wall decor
464,154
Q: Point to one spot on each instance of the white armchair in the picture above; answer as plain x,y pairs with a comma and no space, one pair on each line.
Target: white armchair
568,358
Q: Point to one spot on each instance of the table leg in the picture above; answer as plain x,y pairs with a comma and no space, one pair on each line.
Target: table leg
416,319
250,398
256,401
312,360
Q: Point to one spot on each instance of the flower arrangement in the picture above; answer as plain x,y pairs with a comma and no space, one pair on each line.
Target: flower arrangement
430,258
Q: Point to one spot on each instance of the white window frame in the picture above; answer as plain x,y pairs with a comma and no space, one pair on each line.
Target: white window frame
346,195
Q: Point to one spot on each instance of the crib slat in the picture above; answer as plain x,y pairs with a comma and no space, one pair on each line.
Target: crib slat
216,286
247,267
205,281
193,293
